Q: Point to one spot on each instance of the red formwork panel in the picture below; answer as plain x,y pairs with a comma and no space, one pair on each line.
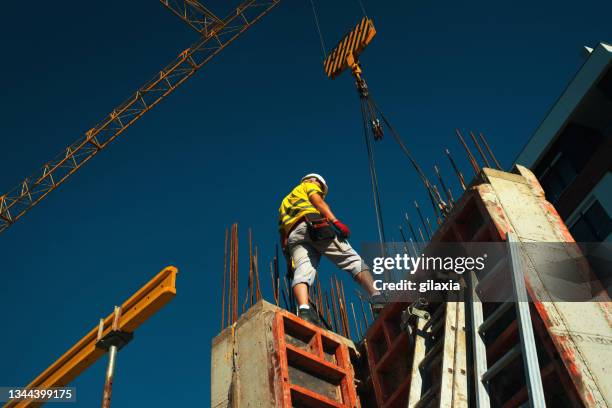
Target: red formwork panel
389,358
314,366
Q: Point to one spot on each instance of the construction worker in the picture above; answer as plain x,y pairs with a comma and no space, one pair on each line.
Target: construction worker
308,229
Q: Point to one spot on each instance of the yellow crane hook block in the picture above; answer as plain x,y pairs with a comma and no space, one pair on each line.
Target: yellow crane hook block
345,54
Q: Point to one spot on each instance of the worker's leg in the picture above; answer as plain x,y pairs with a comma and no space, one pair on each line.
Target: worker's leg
300,292
364,278
305,260
342,254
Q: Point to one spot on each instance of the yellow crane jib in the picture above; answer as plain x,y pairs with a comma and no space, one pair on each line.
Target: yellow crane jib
346,53
135,311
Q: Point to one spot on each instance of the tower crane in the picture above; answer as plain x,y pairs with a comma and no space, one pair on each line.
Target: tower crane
215,34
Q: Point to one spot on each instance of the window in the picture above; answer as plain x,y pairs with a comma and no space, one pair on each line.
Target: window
566,158
605,84
556,177
592,225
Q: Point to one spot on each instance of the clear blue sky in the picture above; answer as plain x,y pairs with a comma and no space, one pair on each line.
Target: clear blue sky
227,147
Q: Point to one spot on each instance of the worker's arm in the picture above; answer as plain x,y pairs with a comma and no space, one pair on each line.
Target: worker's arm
322,207
325,211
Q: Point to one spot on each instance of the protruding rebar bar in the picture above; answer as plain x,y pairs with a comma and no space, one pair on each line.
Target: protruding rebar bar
235,267
423,221
482,154
346,318
328,311
365,318
406,248
414,236
256,269
486,145
447,191
357,326
276,272
249,294
224,280
319,295
444,208
335,307
457,171
471,158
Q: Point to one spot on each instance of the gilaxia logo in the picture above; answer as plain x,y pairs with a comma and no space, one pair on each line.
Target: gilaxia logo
457,264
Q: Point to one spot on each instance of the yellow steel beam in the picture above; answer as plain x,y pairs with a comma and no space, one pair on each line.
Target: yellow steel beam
138,308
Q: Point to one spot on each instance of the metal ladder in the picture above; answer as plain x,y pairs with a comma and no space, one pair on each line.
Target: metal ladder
526,346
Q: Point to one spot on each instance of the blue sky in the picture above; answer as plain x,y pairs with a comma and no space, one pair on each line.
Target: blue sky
227,146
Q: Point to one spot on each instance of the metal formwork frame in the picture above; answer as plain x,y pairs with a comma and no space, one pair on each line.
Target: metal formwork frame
312,358
442,355
395,343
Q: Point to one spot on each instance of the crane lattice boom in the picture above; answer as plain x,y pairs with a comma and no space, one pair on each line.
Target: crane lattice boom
216,34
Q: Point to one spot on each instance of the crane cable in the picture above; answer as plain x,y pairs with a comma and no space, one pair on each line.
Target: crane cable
374,178
434,194
363,10
371,124
316,20
315,15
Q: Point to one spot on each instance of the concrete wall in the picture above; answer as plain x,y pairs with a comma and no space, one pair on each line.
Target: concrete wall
245,367
581,331
242,367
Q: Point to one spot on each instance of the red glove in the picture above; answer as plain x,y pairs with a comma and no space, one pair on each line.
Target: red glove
344,231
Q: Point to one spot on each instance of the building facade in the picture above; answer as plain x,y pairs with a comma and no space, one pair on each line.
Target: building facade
571,155
571,151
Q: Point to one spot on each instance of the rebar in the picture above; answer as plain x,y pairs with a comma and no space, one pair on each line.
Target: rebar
457,171
365,318
224,280
486,145
482,154
357,326
447,191
471,158
414,236
422,222
258,295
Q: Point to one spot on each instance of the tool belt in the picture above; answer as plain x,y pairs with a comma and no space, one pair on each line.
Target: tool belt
319,228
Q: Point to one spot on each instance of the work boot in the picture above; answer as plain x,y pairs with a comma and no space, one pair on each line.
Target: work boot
310,316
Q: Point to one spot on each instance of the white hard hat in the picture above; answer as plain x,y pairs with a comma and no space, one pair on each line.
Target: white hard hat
318,177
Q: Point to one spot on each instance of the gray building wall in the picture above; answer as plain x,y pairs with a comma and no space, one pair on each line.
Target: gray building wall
571,150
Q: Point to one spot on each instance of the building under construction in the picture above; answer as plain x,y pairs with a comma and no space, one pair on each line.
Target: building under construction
531,352
511,336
